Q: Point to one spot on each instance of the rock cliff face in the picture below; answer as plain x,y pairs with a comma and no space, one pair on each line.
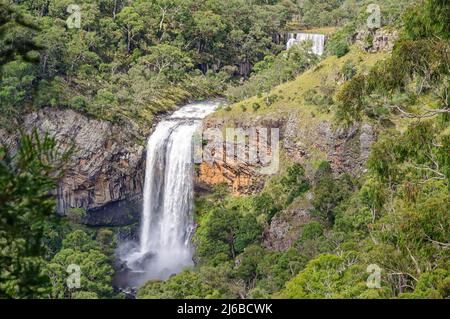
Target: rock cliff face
105,175
346,149
307,143
285,228
241,176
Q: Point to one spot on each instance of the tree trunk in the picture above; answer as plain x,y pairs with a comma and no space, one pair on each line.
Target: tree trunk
115,9
231,244
128,41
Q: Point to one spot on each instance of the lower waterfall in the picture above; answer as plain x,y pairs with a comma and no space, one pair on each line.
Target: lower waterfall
318,41
166,225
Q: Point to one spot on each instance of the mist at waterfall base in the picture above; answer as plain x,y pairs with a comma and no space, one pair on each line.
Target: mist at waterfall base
164,247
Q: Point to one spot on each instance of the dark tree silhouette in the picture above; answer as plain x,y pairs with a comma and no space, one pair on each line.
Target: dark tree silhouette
12,48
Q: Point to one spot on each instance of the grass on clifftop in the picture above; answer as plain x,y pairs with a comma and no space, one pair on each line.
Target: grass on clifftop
291,100
292,96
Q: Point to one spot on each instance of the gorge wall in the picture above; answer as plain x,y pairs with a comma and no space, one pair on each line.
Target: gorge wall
105,175
346,150
301,142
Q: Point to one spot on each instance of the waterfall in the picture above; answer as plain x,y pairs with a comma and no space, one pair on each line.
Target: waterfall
318,41
167,224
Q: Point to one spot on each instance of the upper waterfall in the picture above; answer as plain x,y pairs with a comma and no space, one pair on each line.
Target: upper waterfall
167,224
318,41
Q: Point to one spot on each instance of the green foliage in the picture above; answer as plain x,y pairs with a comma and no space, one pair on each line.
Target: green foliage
79,248
76,215
322,101
26,178
427,59
312,230
79,240
102,104
428,18
265,204
294,182
271,99
84,295
338,42
95,269
394,216
129,61
340,48
281,191
255,107
248,263
329,191
31,234
415,240
327,12
106,239
350,99
348,70
167,60
16,27
403,206
391,16
186,285
327,276
78,103
415,67
274,71
264,271
16,86
227,231
132,60
431,285
417,151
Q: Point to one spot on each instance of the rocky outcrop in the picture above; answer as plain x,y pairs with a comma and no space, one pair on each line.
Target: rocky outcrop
105,174
285,227
239,177
375,41
346,149
239,174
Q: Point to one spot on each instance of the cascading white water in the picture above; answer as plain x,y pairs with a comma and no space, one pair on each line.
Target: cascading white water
318,41
166,223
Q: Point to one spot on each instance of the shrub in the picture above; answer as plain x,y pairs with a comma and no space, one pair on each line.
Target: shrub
348,70
78,103
341,49
312,230
76,214
271,99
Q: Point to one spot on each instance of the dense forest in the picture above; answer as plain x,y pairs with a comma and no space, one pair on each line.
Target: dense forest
132,61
